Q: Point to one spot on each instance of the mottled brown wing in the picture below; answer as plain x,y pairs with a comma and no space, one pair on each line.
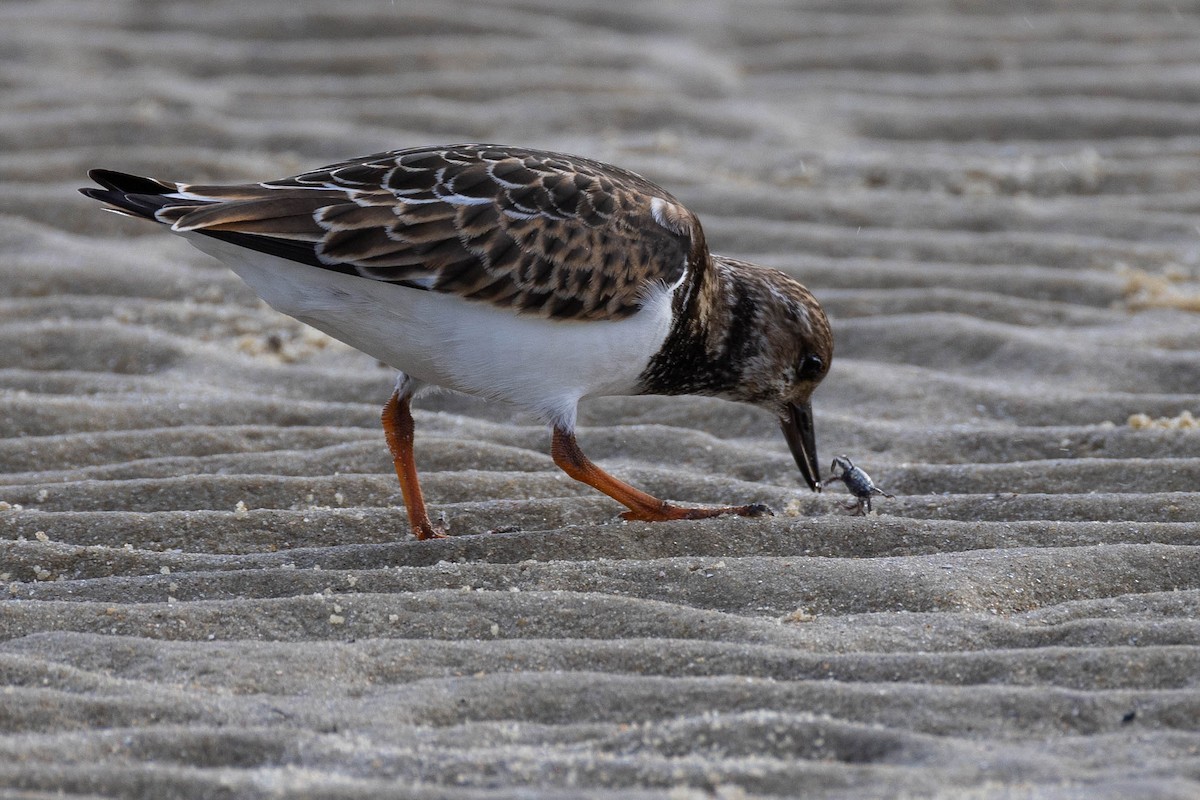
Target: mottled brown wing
539,232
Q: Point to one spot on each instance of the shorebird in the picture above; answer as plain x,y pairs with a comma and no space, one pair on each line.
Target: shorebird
511,274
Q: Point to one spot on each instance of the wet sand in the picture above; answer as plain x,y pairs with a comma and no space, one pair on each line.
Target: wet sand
209,585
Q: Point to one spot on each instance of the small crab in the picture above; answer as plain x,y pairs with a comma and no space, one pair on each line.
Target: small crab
858,482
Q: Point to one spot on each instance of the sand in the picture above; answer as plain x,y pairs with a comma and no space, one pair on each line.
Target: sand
208,584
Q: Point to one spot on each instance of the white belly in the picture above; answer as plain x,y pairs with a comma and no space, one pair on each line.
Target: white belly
543,366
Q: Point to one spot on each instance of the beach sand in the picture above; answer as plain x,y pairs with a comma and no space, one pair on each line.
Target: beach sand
209,587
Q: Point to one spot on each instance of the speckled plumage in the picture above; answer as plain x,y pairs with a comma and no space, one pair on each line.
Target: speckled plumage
560,236
515,274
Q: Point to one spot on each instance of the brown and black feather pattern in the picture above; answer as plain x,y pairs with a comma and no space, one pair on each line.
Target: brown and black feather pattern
541,233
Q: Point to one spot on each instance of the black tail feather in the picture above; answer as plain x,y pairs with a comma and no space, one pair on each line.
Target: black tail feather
143,197
130,194
129,184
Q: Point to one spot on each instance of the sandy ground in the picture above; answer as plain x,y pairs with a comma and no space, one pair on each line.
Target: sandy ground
209,585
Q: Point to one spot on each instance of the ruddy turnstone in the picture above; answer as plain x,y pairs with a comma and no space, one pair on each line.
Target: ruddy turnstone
511,274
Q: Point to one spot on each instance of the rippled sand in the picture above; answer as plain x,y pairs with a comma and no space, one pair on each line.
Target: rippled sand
211,589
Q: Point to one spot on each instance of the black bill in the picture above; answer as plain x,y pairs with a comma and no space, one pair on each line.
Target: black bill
797,424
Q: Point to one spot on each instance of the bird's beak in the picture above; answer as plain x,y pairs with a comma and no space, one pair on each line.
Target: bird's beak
797,424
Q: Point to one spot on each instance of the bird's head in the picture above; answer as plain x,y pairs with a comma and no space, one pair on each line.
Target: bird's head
791,359
753,335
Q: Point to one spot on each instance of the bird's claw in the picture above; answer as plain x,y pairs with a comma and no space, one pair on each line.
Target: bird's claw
669,512
755,510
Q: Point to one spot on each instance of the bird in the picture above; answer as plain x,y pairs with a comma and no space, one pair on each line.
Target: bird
512,274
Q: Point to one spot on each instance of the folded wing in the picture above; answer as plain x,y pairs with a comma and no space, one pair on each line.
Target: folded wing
538,232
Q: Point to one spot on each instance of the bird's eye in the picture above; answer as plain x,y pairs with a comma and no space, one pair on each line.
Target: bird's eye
811,367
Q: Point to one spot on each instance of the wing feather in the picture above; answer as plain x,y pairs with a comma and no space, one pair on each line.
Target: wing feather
538,232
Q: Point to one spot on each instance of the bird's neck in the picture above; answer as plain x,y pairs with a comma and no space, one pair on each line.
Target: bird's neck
713,331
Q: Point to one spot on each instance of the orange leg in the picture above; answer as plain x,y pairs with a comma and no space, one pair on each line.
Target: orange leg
644,507
398,429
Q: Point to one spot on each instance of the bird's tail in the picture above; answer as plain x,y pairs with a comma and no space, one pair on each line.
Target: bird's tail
132,195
